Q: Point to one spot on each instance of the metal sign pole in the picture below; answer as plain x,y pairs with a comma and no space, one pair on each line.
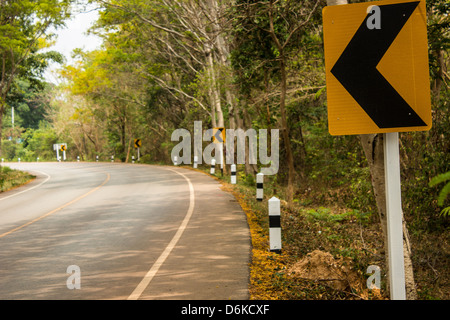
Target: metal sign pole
394,216
393,203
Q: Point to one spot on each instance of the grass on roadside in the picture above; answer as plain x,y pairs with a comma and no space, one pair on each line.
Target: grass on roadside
10,178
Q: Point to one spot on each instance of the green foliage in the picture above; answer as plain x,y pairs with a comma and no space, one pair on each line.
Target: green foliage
445,191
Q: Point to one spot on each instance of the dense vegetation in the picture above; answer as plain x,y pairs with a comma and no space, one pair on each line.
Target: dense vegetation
236,64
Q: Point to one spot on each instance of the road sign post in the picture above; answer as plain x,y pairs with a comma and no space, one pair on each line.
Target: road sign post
63,149
394,216
137,145
60,146
219,137
376,57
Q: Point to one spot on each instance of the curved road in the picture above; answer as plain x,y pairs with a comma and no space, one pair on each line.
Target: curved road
134,232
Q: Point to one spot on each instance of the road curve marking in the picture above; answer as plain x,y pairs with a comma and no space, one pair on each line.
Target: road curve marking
155,267
57,209
26,190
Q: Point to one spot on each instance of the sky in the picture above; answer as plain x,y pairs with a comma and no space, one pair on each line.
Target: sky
73,36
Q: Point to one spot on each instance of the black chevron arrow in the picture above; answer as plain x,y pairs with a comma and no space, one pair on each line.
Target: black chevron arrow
356,69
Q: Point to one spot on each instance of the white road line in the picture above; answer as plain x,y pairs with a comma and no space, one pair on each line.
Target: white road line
29,189
154,269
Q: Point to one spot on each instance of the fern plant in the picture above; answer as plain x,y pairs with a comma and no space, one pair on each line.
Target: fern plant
444,192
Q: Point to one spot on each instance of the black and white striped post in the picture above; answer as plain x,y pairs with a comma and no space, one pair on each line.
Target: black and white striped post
195,162
233,174
213,166
259,186
132,159
175,160
274,225
112,158
78,158
96,158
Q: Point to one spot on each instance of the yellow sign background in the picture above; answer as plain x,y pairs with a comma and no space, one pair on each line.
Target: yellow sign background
404,65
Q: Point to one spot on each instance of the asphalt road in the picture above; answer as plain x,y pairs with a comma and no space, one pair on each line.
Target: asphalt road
121,231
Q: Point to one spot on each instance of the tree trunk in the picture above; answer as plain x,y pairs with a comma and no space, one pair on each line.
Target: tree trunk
373,148
1,129
215,98
2,110
286,135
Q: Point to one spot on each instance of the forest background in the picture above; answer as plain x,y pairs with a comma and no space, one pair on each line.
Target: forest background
236,64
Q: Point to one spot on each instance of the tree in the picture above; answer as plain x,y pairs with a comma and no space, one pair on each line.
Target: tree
23,32
283,23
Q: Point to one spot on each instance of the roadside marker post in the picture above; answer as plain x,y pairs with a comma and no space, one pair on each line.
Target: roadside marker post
78,158
233,174
175,160
259,186
275,225
195,162
112,158
96,158
132,159
213,166
221,159
18,159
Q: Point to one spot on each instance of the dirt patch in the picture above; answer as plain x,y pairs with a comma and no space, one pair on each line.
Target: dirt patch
335,273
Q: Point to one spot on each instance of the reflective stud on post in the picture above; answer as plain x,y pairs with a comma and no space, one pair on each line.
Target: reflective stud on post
274,225
259,186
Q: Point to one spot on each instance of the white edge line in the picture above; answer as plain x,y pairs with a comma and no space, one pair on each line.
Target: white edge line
29,189
155,267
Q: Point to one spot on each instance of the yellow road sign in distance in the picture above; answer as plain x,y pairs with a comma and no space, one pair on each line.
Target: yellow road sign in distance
376,60
63,147
219,135
137,143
